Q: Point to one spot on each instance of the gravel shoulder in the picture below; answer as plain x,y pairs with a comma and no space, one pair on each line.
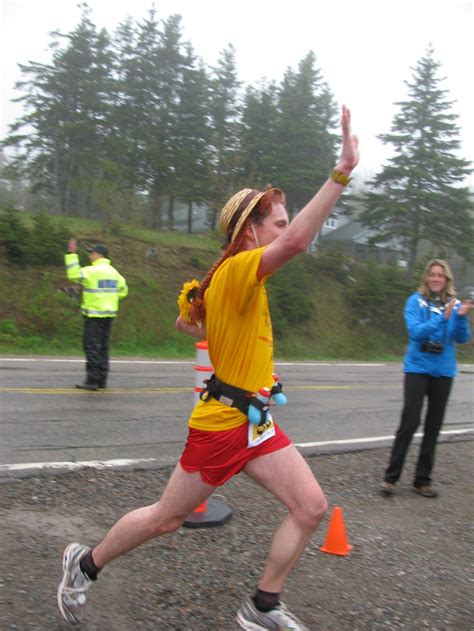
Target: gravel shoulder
411,566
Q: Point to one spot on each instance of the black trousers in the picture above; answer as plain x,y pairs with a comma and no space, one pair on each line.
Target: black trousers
96,349
416,387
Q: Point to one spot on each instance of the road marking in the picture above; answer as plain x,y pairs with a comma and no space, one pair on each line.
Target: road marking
121,463
189,362
169,390
182,361
176,390
374,439
82,361
118,463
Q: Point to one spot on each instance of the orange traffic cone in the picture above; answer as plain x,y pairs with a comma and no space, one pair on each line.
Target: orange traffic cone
336,538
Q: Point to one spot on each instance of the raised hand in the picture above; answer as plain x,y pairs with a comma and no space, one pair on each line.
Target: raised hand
465,307
72,245
449,309
350,144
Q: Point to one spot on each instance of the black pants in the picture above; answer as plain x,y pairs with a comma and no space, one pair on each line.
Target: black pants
96,349
416,387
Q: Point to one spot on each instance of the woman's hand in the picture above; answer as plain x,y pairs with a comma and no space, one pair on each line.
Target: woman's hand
350,145
449,309
465,307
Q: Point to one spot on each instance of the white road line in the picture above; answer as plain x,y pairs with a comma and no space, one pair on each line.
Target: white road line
121,463
375,439
118,463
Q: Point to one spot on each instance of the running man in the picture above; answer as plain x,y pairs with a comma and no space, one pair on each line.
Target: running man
230,310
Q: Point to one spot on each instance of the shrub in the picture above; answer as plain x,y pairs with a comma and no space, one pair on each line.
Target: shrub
8,327
290,294
48,241
14,236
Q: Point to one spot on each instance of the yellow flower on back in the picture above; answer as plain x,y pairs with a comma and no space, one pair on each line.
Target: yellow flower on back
186,297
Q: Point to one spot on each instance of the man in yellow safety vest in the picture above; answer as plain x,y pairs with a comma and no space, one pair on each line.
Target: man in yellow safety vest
102,289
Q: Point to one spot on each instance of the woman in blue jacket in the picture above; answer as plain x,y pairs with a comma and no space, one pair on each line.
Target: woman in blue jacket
435,322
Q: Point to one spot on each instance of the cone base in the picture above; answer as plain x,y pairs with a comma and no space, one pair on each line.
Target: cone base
217,514
338,552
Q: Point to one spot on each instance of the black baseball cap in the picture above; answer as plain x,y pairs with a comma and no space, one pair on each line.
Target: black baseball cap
100,248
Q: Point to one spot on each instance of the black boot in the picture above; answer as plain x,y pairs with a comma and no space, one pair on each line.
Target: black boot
87,386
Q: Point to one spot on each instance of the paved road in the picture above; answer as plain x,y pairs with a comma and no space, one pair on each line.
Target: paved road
45,419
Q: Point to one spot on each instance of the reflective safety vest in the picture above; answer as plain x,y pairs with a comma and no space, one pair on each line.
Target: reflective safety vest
102,286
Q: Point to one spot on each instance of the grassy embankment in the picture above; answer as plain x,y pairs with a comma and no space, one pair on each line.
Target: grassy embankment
322,308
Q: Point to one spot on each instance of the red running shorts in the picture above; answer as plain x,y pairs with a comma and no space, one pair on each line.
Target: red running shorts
220,455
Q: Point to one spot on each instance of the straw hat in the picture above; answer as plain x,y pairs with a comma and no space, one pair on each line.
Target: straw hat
231,207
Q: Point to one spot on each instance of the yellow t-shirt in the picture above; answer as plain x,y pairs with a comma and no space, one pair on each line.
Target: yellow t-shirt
239,337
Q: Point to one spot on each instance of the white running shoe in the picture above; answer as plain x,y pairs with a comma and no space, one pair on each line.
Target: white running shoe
72,588
277,619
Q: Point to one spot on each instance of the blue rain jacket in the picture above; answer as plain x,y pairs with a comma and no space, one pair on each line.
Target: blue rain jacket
423,326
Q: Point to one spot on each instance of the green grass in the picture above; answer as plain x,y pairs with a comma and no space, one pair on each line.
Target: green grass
315,313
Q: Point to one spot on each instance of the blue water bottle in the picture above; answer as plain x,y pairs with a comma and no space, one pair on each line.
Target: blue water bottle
256,415
277,394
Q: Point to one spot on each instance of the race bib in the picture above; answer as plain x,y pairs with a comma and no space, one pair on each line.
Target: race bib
260,433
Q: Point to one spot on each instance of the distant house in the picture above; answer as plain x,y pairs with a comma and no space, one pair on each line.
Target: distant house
353,238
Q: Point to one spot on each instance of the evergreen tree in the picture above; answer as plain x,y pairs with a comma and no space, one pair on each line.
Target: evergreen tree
145,90
224,116
67,103
127,139
417,196
170,62
258,139
306,143
192,135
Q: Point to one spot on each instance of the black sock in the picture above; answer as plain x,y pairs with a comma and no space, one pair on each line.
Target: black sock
88,567
265,601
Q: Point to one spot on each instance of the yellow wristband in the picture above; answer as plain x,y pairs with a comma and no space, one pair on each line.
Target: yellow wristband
340,178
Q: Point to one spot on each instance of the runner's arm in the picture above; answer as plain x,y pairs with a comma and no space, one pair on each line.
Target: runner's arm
191,329
307,223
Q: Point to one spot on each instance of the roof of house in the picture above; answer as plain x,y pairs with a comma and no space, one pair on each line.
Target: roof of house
353,231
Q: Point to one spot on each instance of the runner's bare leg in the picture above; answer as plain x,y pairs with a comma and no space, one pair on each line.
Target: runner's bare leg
288,477
183,493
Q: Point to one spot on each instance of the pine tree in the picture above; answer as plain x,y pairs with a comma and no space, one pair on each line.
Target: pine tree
127,113
192,135
305,140
66,124
170,60
258,138
416,197
224,116
145,96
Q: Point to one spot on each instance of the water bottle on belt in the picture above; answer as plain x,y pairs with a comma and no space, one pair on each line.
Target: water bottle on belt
256,414
277,394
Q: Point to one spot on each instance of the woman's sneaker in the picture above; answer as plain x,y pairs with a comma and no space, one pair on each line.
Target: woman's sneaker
388,488
72,588
426,490
276,619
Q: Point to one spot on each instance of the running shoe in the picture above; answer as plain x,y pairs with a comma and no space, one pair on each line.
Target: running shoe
426,490
388,488
72,588
277,619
